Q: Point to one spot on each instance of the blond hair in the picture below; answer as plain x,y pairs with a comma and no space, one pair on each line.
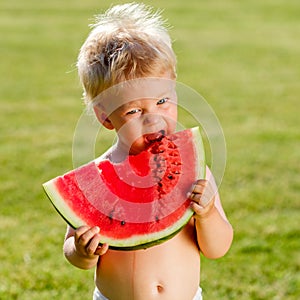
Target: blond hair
128,41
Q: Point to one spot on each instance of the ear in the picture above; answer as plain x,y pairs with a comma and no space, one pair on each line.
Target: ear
103,118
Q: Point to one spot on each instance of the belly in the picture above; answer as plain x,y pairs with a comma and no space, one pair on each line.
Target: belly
167,271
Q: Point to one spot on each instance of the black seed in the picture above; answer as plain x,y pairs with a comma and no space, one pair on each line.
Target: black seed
170,176
111,214
123,223
156,218
160,184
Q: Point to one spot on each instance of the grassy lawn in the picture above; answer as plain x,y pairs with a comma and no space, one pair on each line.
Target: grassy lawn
242,56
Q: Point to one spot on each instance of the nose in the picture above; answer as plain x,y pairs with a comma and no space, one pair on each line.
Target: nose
152,119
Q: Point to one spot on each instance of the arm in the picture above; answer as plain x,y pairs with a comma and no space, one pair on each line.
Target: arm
81,246
214,232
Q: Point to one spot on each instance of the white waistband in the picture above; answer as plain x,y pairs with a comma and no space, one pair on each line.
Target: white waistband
98,296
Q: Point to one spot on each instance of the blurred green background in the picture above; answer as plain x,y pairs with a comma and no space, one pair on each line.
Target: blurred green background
242,56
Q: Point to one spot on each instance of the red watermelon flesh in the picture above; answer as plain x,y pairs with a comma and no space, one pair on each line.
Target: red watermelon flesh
139,202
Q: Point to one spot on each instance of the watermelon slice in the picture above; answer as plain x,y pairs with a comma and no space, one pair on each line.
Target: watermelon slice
139,202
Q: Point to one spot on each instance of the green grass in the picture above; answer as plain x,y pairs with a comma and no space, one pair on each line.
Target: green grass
242,56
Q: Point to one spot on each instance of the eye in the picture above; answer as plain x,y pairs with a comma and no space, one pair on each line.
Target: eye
133,111
162,101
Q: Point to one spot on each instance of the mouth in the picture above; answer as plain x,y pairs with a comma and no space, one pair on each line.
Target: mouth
154,137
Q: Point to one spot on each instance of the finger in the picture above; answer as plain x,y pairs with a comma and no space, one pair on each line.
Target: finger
79,232
199,186
102,249
85,238
198,189
197,208
201,182
203,198
208,195
200,210
93,245
195,197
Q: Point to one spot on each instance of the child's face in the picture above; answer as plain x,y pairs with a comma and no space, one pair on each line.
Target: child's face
140,121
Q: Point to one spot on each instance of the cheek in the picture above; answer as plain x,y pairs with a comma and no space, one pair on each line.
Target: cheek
129,132
171,117
172,112
175,114
131,137
134,144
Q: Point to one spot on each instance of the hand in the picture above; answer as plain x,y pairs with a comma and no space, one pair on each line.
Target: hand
203,198
87,240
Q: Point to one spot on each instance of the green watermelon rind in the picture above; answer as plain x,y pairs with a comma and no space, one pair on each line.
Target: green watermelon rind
166,234
66,213
201,171
137,241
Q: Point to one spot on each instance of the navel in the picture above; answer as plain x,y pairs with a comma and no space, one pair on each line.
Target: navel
159,288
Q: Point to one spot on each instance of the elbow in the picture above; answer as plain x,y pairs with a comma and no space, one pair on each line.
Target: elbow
80,264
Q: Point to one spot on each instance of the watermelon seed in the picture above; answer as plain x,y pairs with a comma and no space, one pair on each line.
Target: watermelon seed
170,176
156,218
111,214
123,223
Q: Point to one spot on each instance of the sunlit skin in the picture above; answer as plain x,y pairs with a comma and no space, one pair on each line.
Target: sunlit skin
140,120
170,270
